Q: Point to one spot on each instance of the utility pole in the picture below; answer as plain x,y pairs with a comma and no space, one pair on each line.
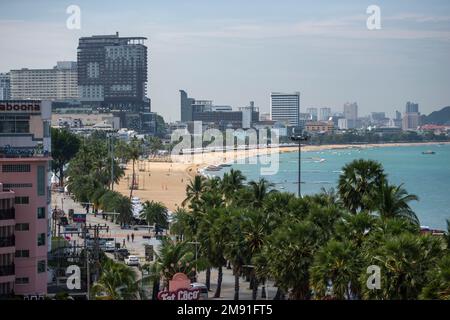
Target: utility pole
299,139
111,141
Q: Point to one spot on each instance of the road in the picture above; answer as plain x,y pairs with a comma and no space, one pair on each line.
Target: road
136,247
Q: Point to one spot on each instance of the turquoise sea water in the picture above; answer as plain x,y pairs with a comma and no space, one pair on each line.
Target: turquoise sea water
427,176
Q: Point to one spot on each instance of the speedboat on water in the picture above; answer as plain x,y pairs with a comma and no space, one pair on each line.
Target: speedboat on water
428,152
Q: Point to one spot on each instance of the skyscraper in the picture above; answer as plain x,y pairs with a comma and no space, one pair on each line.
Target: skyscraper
112,74
411,117
285,107
24,196
313,113
5,86
325,114
411,107
351,114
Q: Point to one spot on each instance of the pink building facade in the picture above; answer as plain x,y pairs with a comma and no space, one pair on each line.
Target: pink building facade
24,196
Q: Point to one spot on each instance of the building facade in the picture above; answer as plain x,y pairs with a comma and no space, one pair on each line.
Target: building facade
25,147
5,86
221,117
351,115
411,117
325,114
59,83
285,107
112,73
319,127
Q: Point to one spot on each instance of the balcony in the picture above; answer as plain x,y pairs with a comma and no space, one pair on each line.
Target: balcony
9,241
7,214
7,270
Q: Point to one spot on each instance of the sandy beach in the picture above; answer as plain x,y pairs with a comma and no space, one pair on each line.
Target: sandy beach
166,181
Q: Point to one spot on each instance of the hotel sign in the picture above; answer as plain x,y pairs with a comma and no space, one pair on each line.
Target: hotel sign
21,106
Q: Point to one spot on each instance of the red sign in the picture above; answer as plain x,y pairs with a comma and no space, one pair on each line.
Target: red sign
180,294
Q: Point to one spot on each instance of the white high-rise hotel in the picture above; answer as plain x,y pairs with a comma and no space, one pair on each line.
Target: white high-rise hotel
59,83
285,107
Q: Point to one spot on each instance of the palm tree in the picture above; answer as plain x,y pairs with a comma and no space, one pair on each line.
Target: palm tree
174,257
117,281
438,288
404,261
133,153
359,177
194,190
154,213
260,190
232,182
335,271
391,201
289,253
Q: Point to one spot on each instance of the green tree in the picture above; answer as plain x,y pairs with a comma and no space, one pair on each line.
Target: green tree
194,190
117,282
155,213
335,271
359,177
391,201
65,146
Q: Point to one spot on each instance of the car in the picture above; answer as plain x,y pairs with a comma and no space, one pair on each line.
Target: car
202,288
121,254
132,261
110,246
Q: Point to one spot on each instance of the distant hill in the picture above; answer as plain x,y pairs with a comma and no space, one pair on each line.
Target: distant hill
441,117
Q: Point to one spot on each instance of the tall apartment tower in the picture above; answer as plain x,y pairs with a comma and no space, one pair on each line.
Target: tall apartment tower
411,117
57,84
285,107
351,114
25,148
312,113
112,73
325,114
5,86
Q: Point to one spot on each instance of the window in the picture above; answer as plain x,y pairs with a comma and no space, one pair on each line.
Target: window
22,227
22,280
41,213
16,168
22,253
21,200
41,181
41,266
41,239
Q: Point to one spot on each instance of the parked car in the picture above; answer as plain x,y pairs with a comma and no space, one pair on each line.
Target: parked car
121,254
110,246
132,261
203,290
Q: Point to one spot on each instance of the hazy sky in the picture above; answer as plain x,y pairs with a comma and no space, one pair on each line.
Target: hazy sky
234,51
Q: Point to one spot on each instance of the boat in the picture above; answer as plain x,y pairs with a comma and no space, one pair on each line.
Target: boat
212,168
225,165
428,152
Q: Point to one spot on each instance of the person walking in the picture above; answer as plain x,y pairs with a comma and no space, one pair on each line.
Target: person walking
132,237
123,243
128,238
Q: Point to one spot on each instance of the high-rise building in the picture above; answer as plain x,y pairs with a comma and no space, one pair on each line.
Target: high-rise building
351,114
112,75
285,107
313,113
59,83
351,111
324,114
411,107
411,117
5,86
25,148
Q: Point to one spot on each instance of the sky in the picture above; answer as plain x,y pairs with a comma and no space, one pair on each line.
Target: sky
236,51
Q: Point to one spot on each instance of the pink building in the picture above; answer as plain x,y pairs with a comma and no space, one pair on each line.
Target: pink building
24,196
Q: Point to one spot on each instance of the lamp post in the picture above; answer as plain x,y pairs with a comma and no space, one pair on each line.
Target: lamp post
298,139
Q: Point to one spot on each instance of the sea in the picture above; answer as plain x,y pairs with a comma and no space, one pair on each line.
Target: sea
425,175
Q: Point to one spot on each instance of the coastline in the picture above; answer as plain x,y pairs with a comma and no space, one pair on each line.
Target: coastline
166,181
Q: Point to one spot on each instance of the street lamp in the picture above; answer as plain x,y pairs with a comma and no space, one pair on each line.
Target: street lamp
298,139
